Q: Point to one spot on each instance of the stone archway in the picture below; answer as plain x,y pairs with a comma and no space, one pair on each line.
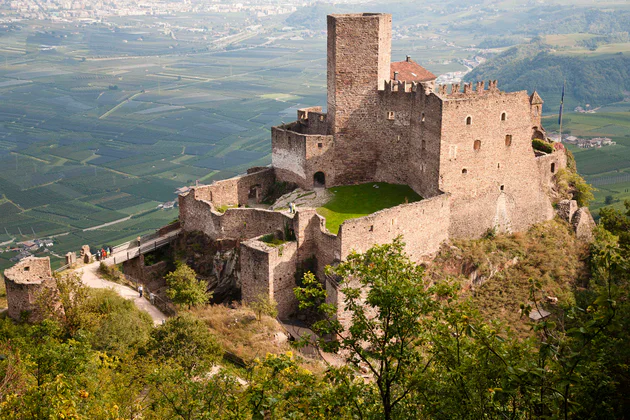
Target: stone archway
319,179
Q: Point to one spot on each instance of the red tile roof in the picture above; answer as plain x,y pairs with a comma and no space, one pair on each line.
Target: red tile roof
410,71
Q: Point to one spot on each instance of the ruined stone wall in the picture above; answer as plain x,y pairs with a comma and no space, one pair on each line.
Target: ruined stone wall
494,181
24,283
236,223
424,226
297,157
288,155
152,276
359,51
313,121
270,270
236,191
548,167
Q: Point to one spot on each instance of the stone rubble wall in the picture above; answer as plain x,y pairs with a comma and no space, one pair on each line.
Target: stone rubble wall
235,191
25,282
235,223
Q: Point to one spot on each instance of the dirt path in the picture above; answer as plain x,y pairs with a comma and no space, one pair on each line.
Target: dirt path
90,278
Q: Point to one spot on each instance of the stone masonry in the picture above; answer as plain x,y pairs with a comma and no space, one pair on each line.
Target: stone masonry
25,281
467,152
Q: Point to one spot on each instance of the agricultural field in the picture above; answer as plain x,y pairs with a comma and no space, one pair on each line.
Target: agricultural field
606,168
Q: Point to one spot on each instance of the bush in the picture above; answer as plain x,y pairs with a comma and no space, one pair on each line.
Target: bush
572,185
111,272
542,146
270,239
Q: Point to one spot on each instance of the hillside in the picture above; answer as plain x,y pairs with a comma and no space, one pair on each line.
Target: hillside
596,80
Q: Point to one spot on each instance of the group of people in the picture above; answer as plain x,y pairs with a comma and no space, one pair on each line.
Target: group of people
292,207
103,253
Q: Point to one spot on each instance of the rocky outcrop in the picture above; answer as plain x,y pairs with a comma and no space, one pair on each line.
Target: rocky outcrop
566,209
580,218
583,224
216,261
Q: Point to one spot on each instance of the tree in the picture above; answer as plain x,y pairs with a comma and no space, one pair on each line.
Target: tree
186,341
184,288
263,304
387,301
608,200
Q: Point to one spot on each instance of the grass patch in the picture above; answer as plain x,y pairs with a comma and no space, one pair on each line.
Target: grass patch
270,239
353,201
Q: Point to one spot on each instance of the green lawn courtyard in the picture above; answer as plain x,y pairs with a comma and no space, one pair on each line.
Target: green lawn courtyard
352,201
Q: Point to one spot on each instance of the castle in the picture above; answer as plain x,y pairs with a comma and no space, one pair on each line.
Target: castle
468,153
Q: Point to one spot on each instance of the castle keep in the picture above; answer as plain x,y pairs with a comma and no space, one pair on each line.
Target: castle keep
468,153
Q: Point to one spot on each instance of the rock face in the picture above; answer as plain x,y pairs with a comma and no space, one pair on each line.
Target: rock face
583,224
566,209
216,261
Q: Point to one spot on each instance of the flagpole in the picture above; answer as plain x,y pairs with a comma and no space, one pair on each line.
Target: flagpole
562,108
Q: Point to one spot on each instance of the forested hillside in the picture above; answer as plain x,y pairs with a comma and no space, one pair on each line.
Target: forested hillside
595,80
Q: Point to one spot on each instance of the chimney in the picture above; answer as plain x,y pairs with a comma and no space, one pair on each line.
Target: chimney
408,58
395,75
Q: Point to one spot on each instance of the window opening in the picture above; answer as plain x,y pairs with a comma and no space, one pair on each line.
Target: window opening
477,145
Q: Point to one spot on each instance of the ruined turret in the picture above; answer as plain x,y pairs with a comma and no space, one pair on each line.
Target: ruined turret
25,282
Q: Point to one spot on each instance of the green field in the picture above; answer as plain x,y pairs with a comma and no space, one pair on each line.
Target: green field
606,168
352,201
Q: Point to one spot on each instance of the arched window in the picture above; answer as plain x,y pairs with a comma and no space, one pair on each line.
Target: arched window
469,120
422,117
424,145
477,145
464,171
553,168
503,116
508,139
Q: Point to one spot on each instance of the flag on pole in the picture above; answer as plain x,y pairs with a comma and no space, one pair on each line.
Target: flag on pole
561,105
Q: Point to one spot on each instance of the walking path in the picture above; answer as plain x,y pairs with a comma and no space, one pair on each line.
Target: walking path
90,278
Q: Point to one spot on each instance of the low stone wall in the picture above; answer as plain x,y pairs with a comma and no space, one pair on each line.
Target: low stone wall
237,223
236,191
423,226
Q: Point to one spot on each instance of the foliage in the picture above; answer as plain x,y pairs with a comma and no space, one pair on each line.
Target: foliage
542,146
533,67
387,305
263,304
270,239
187,342
184,288
617,223
110,272
571,184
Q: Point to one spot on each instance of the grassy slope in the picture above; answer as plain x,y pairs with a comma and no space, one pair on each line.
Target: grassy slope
548,253
352,201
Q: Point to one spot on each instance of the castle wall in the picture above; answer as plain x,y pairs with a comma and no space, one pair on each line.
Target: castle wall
494,183
424,226
236,191
236,223
297,157
410,143
548,167
270,270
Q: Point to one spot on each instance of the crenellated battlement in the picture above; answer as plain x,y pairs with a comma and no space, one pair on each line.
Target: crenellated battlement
400,86
479,89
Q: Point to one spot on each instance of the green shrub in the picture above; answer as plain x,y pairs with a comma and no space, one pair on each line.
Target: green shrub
270,239
542,146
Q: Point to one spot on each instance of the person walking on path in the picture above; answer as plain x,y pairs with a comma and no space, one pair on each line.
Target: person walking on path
140,290
152,298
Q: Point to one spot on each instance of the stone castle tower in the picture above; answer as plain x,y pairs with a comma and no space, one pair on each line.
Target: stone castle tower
389,122
468,153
